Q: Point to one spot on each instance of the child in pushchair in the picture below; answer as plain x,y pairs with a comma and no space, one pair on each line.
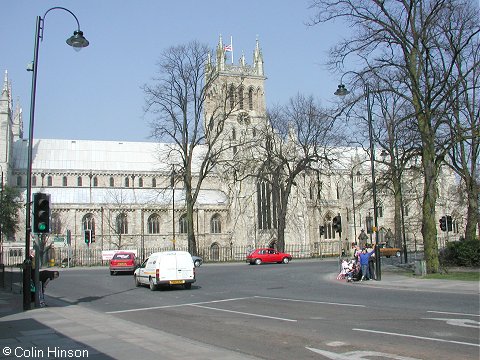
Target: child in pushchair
355,272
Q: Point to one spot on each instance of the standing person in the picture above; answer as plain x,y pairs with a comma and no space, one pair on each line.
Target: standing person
45,277
363,258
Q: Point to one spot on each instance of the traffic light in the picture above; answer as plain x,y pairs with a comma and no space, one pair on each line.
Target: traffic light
322,230
337,223
449,223
87,235
41,213
443,223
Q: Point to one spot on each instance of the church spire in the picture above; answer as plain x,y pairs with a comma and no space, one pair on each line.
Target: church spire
258,59
220,55
5,101
5,84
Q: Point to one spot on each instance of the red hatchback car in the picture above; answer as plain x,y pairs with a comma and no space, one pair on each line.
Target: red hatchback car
123,262
268,255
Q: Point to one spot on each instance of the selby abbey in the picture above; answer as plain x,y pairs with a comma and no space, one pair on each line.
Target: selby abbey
125,196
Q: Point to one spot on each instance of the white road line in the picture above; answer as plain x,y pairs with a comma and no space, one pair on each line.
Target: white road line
451,313
309,301
243,313
418,337
173,306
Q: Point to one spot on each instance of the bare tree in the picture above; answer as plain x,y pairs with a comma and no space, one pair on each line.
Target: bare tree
409,37
464,155
295,141
178,98
117,217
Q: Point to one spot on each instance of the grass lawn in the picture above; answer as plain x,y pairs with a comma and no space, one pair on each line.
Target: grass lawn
456,275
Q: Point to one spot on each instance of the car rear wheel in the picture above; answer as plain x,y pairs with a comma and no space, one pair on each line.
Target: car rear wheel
258,261
197,263
285,260
397,254
112,272
153,287
187,286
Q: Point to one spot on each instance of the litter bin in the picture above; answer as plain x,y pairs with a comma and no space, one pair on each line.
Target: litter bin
51,262
420,268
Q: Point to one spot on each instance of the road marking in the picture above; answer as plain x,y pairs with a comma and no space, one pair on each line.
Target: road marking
357,355
451,313
310,301
243,313
417,337
176,305
458,322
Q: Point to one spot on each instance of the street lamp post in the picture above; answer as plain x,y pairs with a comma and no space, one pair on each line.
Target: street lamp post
342,91
77,41
172,183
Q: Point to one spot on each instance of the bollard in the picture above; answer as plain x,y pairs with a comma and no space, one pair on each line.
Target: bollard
420,268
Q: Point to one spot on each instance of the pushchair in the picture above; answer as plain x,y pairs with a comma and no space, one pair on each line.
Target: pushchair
355,274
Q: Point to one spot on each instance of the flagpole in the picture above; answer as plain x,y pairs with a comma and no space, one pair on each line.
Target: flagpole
231,46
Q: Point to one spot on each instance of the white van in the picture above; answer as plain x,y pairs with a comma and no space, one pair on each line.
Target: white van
166,268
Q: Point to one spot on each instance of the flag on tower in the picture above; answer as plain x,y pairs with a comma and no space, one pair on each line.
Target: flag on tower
229,48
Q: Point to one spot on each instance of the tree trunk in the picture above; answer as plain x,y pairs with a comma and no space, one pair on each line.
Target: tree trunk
398,213
429,228
473,213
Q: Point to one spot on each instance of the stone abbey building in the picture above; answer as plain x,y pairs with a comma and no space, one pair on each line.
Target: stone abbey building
125,195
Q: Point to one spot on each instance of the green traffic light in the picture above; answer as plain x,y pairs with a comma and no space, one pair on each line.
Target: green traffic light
42,226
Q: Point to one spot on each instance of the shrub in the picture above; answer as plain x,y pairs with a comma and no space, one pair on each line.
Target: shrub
462,253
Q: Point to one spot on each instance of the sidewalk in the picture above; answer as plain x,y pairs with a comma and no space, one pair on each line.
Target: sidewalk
392,279
76,332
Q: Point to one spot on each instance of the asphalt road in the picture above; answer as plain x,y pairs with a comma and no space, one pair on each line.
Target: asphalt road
278,311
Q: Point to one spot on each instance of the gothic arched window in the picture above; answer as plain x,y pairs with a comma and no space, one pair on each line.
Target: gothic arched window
154,182
250,99
95,181
127,181
216,224
122,224
231,95
140,182
34,181
329,231
112,182
267,206
240,97
79,181
182,224
64,181
153,223
49,181
88,223
56,224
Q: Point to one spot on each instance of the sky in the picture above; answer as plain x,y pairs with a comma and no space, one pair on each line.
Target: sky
96,94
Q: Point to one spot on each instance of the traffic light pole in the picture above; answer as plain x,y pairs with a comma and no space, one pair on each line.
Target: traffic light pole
378,262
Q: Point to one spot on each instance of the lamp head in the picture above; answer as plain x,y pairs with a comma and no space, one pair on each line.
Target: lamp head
77,40
341,91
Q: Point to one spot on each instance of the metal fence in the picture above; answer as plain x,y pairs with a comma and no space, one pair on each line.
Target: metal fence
93,257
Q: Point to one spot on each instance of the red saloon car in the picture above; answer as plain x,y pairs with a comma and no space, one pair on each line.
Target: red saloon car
123,262
268,255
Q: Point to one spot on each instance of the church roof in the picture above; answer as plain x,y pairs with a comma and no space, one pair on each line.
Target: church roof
90,155
108,156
